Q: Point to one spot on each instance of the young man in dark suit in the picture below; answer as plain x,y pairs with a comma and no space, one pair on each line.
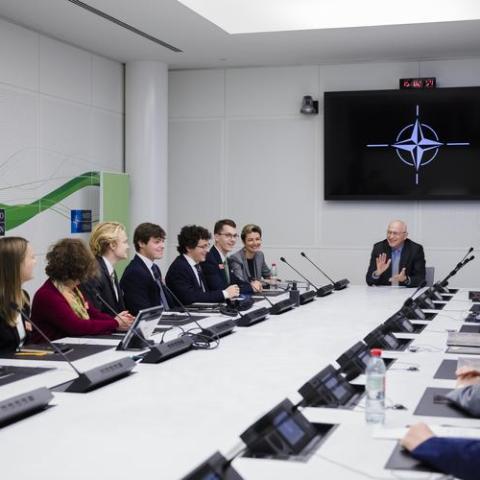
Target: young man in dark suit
215,267
458,457
186,278
396,260
141,281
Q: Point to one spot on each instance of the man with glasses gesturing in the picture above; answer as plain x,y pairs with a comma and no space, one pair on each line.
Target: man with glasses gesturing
396,261
215,267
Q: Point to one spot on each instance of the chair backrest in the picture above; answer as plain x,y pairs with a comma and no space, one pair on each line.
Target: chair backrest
430,275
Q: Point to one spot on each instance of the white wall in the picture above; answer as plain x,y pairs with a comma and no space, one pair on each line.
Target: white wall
61,115
239,148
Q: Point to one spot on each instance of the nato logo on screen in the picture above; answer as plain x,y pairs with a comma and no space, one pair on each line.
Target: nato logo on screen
417,144
81,221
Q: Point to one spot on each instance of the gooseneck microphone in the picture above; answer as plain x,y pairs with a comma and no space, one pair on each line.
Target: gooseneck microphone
93,378
443,284
58,350
340,285
321,291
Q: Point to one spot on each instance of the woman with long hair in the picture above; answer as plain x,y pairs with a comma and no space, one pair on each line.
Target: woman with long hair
17,262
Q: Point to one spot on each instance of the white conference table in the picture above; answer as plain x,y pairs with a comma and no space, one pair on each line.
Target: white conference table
167,418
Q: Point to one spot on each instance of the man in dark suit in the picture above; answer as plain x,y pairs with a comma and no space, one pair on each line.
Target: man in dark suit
396,260
458,457
141,281
215,267
186,278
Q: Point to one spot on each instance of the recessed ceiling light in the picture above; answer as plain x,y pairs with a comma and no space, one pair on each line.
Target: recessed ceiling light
255,16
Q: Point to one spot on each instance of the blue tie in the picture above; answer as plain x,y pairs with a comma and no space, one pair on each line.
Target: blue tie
158,279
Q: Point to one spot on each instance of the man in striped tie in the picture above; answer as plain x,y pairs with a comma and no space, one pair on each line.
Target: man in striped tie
215,267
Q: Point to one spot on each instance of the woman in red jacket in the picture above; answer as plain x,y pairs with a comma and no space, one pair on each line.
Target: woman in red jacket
59,307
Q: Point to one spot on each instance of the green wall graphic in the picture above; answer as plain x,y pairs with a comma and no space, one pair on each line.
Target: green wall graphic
18,214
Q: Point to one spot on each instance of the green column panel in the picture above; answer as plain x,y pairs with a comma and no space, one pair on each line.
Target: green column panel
115,204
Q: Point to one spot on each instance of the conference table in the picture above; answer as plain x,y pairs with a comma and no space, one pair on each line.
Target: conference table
164,419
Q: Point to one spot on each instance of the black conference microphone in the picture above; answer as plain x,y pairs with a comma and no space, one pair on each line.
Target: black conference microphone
321,291
340,285
213,332
410,308
115,313
410,300
92,378
158,352
279,307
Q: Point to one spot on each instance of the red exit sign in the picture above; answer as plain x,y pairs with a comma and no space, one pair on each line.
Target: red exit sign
426,82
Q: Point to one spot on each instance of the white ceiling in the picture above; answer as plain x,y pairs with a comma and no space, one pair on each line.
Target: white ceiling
205,45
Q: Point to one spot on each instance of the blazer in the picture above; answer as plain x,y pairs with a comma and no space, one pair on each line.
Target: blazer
53,314
214,272
140,290
467,398
103,285
459,457
183,283
9,338
239,266
412,258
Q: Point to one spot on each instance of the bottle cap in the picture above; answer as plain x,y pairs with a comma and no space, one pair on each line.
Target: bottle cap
376,352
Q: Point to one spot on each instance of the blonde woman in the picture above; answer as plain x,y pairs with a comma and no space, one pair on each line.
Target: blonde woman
17,261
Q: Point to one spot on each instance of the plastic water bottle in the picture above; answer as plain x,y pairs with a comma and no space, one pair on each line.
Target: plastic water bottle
274,270
375,388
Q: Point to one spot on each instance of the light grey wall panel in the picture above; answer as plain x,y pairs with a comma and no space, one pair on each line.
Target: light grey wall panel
195,174
271,176
453,73
269,91
18,56
107,84
65,71
196,93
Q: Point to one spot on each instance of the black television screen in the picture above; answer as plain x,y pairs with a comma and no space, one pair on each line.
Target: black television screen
402,144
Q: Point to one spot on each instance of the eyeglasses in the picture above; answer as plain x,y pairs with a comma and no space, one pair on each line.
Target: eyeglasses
230,236
203,247
395,234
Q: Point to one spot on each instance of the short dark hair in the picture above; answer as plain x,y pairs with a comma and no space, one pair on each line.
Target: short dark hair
250,228
189,237
145,231
70,259
221,223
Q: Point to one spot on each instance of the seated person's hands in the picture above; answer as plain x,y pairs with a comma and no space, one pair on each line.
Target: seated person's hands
400,277
416,435
382,264
256,285
232,291
467,376
124,320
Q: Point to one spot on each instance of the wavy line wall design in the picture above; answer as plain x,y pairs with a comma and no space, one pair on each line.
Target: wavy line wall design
18,214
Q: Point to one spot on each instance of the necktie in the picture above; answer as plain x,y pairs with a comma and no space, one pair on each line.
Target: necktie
200,276
158,279
114,280
227,271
